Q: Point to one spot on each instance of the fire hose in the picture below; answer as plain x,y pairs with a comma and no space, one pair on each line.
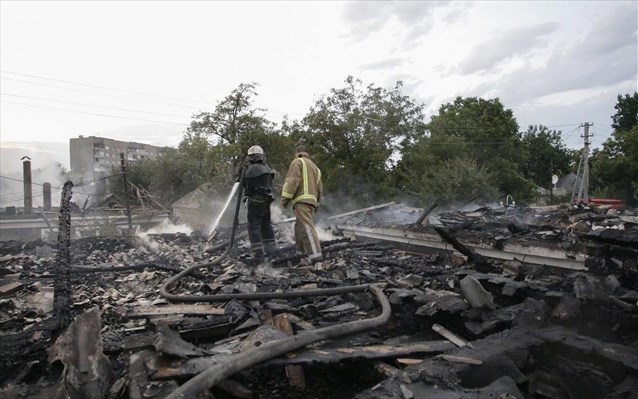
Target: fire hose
171,282
248,358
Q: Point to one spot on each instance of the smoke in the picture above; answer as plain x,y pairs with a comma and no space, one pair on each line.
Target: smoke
168,227
286,226
269,271
277,213
203,209
324,234
165,227
12,186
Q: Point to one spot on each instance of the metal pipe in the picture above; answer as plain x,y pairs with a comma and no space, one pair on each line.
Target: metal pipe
251,357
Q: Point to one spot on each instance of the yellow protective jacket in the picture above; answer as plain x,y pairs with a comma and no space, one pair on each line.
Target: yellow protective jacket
303,182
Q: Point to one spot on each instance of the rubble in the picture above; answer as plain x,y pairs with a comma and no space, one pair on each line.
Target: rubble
170,315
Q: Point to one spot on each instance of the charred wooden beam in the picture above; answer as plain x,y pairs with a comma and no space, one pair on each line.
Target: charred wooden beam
145,311
62,282
309,356
425,213
465,250
376,207
449,335
294,372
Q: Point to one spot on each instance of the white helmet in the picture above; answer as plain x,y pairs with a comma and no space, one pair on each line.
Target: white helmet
255,150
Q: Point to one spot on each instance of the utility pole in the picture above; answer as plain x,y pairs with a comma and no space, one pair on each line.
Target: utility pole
128,206
583,180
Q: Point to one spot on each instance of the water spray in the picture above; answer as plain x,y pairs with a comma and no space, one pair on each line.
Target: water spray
211,233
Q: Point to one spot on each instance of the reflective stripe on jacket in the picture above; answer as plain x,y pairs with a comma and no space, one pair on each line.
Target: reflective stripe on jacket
303,181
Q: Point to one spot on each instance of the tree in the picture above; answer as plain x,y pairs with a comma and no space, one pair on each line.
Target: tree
168,176
479,130
212,149
544,155
234,125
626,116
356,133
449,181
615,166
489,130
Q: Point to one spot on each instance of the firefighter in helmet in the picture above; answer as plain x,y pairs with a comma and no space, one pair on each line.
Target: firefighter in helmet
258,190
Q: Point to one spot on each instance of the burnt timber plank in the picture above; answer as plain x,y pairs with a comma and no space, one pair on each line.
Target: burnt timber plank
364,352
294,372
455,339
10,288
145,311
333,355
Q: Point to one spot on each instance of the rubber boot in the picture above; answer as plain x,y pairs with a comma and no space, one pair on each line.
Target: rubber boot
258,257
271,251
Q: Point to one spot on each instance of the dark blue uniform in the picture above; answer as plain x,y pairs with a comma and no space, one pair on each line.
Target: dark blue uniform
258,188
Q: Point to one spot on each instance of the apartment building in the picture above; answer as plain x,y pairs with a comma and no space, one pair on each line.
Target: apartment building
93,158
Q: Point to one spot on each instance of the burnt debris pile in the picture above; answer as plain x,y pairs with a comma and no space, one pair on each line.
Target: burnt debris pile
491,302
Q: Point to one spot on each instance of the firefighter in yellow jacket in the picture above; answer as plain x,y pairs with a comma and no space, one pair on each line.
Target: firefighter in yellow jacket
302,188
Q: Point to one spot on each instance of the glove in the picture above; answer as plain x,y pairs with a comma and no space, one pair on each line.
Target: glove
285,202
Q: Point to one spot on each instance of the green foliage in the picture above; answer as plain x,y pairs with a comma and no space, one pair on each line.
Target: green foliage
509,180
452,180
615,167
212,149
544,154
354,132
474,136
489,130
614,171
372,144
626,116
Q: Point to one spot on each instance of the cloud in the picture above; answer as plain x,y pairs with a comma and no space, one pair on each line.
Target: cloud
417,17
504,46
596,107
159,135
614,32
606,56
389,63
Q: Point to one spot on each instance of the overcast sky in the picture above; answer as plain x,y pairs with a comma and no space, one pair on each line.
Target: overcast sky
138,71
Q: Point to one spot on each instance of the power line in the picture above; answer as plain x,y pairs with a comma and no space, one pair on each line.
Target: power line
571,132
60,188
605,130
17,197
98,93
101,87
88,105
565,125
95,113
